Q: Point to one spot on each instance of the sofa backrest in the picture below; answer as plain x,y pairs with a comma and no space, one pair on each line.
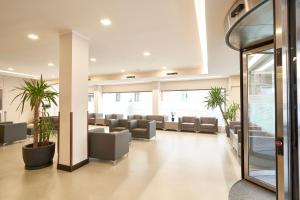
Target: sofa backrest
187,119
155,117
208,120
142,123
233,124
123,122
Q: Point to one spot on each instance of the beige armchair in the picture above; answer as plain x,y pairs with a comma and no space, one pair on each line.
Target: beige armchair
186,123
208,125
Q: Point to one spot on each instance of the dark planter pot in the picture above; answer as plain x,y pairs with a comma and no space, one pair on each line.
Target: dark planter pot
173,119
37,158
227,131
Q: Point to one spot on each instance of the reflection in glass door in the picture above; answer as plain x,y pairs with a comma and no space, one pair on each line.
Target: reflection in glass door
259,115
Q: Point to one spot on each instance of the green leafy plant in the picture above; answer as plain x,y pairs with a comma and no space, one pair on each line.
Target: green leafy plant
38,94
231,111
216,99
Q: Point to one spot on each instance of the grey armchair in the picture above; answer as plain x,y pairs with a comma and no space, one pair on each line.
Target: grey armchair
118,125
159,119
112,116
188,123
10,132
108,146
208,124
142,128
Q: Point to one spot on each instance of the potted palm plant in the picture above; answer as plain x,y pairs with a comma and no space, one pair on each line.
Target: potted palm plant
38,94
217,99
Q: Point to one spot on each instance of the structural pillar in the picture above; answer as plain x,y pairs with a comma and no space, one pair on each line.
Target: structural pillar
73,82
155,97
98,99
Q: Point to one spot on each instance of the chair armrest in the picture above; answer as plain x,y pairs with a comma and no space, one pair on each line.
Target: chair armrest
151,129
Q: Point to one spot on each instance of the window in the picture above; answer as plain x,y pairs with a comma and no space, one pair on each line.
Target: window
91,103
127,103
188,103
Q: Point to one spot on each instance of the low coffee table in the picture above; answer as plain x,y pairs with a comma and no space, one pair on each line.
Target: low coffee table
171,126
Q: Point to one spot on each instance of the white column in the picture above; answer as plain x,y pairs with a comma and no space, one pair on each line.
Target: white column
73,80
98,99
155,97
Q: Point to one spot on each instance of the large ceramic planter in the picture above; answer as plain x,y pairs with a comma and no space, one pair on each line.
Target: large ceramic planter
40,157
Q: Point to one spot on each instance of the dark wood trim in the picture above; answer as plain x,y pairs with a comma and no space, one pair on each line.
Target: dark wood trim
71,138
73,168
58,136
87,133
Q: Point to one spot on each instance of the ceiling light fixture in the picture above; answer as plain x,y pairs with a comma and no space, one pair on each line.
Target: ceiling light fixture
164,67
93,59
122,70
105,22
10,69
146,53
33,36
50,64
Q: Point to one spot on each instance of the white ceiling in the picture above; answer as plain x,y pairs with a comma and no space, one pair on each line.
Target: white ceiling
166,28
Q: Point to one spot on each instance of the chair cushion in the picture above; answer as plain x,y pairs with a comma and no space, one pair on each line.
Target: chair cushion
186,123
140,130
209,126
119,128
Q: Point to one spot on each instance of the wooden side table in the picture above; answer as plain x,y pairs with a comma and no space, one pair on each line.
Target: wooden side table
171,126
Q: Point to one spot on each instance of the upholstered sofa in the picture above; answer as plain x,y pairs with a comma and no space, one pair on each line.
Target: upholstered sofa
118,125
108,146
208,124
10,132
159,119
112,116
186,123
142,128
130,117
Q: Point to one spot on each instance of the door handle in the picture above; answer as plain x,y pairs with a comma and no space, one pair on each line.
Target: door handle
279,146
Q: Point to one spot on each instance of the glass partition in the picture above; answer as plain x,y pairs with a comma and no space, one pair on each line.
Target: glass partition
128,103
260,117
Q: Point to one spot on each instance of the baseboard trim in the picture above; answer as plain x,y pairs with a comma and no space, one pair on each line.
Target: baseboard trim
74,167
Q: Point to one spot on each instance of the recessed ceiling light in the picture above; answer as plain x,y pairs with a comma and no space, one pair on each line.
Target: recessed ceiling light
33,36
105,22
50,64
122,70
10,69
93,59
146,53
164,67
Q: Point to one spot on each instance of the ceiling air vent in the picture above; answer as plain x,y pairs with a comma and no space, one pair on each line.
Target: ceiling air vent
172,73
130,77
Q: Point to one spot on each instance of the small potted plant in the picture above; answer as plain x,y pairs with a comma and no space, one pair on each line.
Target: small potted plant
230,114
173,116
38,94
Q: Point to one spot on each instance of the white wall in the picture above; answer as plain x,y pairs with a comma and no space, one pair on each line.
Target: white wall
7,84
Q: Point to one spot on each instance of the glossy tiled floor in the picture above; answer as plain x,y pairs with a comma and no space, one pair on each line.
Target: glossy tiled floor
183,166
